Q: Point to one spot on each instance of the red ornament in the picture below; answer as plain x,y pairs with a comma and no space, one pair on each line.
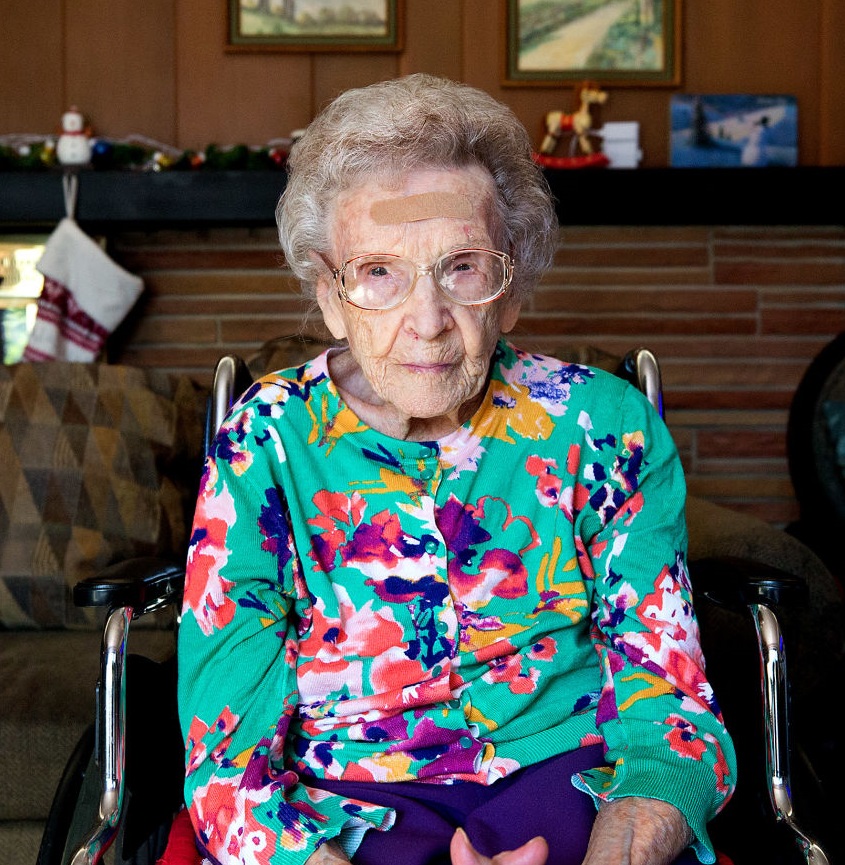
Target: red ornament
278,156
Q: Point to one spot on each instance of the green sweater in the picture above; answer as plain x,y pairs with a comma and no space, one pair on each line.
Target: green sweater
364,608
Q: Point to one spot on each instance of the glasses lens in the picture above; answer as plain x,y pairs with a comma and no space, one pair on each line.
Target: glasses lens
472,275
383,281
377,281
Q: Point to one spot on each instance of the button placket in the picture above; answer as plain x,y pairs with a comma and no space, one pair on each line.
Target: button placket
428,463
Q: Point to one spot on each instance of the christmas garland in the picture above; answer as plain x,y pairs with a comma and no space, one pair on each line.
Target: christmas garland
137,153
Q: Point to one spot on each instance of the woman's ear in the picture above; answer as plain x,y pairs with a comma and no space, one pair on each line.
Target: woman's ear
331,307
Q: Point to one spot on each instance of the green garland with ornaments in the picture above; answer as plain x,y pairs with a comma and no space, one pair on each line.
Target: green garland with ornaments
38,153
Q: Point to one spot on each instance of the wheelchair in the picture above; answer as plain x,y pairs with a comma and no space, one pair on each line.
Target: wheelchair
120,792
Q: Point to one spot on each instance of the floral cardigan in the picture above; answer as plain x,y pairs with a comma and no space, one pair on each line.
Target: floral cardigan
364,608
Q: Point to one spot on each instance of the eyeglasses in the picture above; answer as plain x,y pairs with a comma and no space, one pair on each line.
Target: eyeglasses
381,281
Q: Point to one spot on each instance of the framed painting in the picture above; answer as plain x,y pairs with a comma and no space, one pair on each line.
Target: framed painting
314,25
611,42
733,130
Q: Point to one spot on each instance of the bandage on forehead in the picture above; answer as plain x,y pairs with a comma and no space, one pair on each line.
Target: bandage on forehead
426,205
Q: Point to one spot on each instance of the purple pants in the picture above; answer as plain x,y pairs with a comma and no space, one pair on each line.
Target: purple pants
536,800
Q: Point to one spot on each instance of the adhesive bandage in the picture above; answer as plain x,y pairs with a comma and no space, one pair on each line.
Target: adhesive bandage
426,205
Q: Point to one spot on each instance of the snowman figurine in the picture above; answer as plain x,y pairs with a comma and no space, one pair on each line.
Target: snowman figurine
74,145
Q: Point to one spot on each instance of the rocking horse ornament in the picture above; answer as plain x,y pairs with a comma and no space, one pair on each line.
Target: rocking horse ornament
579,125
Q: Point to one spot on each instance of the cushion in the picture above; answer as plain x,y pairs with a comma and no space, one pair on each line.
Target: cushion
719,531
287,351
99,463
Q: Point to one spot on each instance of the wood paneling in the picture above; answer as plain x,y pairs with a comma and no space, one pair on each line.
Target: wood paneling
160,68
334,73
32,85
832,84
442,51
119,65
226,98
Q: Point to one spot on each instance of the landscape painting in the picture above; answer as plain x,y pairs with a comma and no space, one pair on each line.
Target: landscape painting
608,41
314,25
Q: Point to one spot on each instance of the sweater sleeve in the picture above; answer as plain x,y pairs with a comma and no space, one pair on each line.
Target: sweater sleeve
245,604
657,714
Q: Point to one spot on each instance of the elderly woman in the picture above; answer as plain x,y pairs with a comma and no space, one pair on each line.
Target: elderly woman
437,606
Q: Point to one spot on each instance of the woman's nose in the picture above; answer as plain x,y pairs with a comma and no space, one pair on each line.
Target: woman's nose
427,311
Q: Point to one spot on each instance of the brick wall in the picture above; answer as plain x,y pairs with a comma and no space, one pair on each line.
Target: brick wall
735,315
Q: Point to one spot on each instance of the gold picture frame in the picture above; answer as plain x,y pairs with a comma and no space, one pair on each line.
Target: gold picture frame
314,25
610,42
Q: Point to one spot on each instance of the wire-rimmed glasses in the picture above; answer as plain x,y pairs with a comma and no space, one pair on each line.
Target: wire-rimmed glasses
381,281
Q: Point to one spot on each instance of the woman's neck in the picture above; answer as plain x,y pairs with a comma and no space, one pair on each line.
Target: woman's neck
370,408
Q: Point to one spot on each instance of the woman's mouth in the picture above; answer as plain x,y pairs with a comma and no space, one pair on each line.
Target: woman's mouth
422,368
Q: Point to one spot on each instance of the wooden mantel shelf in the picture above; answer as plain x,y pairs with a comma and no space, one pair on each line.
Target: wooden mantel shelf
116,200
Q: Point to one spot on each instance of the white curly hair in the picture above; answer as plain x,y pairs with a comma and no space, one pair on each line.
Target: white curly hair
384,130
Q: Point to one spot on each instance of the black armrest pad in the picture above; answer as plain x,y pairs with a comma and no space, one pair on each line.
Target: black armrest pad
737,583
142,583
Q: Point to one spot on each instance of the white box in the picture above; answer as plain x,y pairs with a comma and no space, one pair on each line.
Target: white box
621,143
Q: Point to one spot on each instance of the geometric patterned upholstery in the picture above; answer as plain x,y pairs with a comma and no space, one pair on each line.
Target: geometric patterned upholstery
98,463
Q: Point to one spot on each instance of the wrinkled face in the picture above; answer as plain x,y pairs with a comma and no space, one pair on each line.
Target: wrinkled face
427,359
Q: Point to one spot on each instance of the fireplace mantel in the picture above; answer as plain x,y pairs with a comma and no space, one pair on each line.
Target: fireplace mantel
117,200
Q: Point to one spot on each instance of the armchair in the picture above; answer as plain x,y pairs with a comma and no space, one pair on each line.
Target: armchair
97,464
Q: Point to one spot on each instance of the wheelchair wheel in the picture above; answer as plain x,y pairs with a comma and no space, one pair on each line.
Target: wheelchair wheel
153,776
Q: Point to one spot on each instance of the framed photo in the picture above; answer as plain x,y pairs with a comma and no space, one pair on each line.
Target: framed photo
619,42
733,131
314,25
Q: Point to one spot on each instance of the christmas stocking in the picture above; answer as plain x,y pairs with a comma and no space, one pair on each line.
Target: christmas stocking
85,296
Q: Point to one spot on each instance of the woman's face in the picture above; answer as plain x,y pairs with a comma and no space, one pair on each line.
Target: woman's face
418,370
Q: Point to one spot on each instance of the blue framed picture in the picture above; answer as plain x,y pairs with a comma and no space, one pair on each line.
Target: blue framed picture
741,131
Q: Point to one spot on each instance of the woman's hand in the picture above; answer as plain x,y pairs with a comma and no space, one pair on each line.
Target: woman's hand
533,852
330,853
637,831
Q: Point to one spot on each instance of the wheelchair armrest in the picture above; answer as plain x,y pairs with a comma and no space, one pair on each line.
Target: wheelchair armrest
739,583
142,584
129,589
